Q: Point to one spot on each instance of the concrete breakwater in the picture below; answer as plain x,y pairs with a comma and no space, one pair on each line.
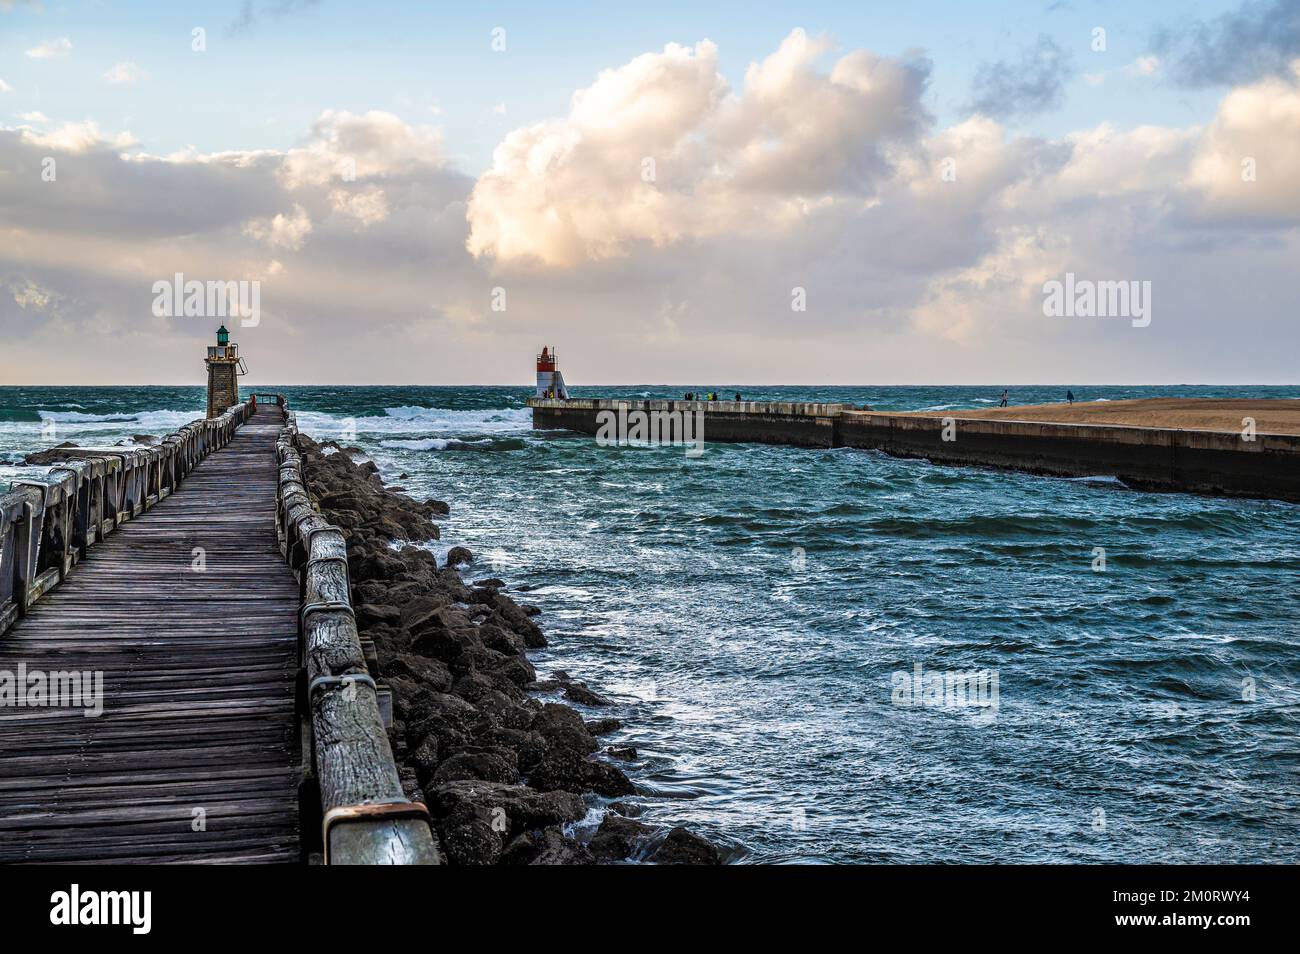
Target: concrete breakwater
1233,463
758,422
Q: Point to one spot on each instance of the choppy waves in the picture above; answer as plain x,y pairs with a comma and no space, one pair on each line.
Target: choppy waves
428,421
452,444
157,422
747,611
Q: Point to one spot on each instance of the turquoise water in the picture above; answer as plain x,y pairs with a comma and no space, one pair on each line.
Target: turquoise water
748,612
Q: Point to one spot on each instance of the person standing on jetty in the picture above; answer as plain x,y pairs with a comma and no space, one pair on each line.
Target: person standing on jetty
1003,402
1069,396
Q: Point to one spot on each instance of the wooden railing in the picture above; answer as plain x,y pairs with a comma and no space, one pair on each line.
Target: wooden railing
366,817
47,524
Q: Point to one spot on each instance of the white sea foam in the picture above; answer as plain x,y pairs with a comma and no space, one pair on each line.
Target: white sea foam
420,420
152,422
1109,479
432,443
438,444
76,417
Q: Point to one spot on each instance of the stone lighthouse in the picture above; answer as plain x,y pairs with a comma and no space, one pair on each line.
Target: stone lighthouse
224,368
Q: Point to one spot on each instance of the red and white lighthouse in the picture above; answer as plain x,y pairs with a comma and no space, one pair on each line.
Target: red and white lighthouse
550,382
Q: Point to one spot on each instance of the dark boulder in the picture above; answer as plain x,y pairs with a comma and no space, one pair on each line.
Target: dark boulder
511,809
604,779
423,671
681,847
368,614
483,766
546,847
584,696
468,836
53,455
617,838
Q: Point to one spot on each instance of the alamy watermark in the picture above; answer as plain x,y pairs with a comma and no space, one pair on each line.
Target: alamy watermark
61,689
74,907
651,427
1085,298
179,298
976,688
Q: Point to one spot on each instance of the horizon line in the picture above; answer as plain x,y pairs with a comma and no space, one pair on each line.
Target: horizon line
661,384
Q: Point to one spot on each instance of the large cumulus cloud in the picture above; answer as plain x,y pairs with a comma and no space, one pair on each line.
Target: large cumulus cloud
660,149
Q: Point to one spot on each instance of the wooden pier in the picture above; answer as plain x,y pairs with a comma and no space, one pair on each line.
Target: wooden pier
190,612
195,585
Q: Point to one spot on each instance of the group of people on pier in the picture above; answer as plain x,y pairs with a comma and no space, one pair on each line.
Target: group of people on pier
709,396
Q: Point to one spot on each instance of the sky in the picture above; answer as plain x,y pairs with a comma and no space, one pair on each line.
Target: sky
698,193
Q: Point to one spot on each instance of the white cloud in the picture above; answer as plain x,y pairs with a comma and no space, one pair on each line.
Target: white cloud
125,73
50,48
34,117
346,147
1247,164
30,296
282,231
367,207
660,150
5,87
1144,66
74,137
1105,162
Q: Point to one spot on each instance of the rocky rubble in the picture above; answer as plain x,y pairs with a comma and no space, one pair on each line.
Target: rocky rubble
54,455
503,773
51,455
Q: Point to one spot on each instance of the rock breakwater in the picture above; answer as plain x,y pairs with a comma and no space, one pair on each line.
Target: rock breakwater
505,775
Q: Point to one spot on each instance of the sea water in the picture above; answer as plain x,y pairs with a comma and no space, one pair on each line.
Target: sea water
753,612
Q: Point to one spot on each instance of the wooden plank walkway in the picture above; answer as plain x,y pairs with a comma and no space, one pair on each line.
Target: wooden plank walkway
198,684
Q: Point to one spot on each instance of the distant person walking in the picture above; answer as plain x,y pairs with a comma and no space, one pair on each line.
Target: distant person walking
1069,396
1003,402
737,397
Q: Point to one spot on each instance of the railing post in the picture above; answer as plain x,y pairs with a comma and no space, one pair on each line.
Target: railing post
29,541
11,511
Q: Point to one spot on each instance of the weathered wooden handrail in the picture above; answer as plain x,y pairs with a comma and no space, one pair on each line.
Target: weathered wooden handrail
366,817
47,524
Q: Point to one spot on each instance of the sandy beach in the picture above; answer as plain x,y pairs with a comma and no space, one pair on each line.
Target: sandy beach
1201,414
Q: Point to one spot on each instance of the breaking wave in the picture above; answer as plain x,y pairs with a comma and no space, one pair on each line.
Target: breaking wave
152,422
444,422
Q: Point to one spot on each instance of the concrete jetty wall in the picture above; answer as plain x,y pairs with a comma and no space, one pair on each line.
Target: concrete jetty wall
755,422
1149,458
